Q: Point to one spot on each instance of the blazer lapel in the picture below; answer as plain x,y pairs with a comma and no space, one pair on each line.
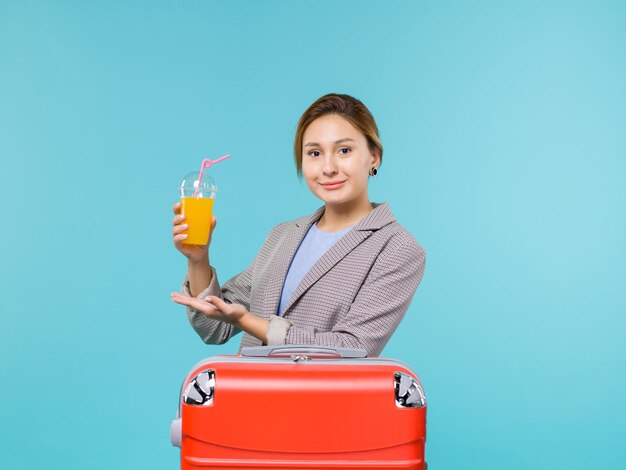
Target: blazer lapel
378,218
344,246
280,265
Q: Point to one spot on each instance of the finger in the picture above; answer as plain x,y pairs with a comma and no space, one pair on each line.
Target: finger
179,228
198,304
180,238
178,219
186,298
218,303
180,297
177,208
213,224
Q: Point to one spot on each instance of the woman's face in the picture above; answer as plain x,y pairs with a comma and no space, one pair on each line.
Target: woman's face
336,161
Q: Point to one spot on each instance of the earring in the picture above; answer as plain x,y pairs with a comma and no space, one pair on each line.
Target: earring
373,171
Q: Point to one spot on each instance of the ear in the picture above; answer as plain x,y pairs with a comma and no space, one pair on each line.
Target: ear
375,158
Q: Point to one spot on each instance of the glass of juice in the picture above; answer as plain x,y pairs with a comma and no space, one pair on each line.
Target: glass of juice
197,206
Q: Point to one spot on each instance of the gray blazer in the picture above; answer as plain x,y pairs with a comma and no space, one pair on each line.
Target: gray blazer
354,296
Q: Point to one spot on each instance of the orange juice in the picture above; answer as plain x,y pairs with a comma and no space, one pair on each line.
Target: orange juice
198,212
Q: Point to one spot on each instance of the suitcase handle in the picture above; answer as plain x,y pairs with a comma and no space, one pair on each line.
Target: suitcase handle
289,350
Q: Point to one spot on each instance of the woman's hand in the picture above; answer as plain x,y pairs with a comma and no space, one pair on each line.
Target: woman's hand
235,314
213,307
194,253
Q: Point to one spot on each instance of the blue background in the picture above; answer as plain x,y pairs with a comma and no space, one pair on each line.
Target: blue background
504,132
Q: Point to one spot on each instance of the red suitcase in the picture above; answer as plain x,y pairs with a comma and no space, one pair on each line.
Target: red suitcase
294,407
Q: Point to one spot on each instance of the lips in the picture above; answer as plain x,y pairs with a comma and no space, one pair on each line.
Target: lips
333,184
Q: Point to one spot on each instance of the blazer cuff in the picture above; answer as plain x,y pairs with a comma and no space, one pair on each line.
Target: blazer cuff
212,289
277,330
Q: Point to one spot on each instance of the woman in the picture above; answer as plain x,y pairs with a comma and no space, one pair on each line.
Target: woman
342,277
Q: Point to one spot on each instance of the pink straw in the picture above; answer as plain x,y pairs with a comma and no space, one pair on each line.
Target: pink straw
207,163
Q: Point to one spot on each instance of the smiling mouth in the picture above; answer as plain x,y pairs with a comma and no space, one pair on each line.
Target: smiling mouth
333,184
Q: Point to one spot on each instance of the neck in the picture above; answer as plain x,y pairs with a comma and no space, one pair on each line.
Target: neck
338,217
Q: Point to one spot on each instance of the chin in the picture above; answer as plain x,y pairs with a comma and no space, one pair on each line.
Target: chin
335,201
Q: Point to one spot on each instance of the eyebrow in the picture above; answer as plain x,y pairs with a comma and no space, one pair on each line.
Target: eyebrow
340,141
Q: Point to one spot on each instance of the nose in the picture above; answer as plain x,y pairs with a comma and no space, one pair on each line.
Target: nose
330,165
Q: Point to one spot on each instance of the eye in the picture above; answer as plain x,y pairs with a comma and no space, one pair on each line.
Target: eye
345,150
314,153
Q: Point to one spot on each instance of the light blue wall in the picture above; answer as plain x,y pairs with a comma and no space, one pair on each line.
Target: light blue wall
504,132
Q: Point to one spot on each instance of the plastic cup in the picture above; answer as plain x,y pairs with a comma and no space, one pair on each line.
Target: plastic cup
197,206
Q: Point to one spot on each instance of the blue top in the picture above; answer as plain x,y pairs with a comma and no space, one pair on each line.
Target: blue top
313,246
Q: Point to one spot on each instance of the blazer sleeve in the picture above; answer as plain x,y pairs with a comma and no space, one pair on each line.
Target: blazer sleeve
236,290
380,304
